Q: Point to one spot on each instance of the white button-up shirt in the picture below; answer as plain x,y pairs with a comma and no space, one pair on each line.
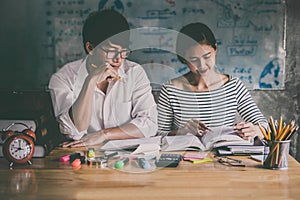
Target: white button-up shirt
128,100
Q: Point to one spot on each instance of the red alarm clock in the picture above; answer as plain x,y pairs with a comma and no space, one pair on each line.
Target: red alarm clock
18,147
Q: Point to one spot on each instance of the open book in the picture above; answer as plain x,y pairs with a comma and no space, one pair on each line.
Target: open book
136,146
214,137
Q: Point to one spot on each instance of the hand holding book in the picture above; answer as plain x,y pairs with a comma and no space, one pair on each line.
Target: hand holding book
193,126
247,130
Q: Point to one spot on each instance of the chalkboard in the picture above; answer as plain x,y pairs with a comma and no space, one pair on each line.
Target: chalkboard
250,35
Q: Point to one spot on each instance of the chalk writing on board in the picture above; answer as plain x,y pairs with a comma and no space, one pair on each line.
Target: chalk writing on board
243,39
193,11
269,77
159,14
232,14
249,34
116,5
241,50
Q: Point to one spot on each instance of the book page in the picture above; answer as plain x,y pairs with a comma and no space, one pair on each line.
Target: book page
182,142
130,143
215,137
222,136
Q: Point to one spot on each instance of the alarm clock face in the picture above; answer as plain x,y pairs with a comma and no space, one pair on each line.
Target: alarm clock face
19,149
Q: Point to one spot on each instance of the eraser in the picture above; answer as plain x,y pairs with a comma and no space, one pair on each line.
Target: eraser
76,164
65,158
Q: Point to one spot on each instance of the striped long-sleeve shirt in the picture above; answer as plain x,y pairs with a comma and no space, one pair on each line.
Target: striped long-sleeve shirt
215,108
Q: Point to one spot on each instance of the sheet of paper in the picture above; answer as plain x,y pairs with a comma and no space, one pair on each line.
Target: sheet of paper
130,143
149,148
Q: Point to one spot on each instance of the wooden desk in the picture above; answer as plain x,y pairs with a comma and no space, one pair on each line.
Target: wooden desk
48,178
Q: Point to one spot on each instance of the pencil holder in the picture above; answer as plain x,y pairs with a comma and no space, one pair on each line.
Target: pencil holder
278,155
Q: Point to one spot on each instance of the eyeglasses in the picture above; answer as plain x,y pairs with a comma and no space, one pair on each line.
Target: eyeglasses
230,161
111,54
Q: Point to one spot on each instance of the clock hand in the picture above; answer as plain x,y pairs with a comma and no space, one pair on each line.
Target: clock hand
18,149
20,146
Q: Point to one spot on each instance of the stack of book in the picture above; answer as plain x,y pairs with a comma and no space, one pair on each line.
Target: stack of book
242,150
34,109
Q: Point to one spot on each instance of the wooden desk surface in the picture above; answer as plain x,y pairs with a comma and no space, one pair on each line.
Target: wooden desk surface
47,178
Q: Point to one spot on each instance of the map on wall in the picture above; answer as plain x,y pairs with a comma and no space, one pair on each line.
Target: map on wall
250,35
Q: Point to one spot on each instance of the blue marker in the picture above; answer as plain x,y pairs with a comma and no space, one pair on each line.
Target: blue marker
120,164
143,163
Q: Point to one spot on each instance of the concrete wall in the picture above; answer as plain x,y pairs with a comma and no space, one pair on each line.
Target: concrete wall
286,102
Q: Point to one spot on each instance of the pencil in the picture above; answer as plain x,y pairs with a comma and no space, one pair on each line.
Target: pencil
277,153
292,131
280,125
285,131
273,127
269,133
263,131
118,78
278,133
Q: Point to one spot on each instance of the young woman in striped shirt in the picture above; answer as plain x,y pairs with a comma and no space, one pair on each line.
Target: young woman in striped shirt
203,97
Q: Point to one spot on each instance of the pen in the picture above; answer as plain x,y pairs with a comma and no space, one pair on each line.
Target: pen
120,164
143,163
110,155
239,129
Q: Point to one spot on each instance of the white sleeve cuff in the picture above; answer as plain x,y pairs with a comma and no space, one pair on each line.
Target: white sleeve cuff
68,128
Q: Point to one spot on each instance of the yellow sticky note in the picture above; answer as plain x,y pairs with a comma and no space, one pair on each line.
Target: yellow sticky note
201,161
